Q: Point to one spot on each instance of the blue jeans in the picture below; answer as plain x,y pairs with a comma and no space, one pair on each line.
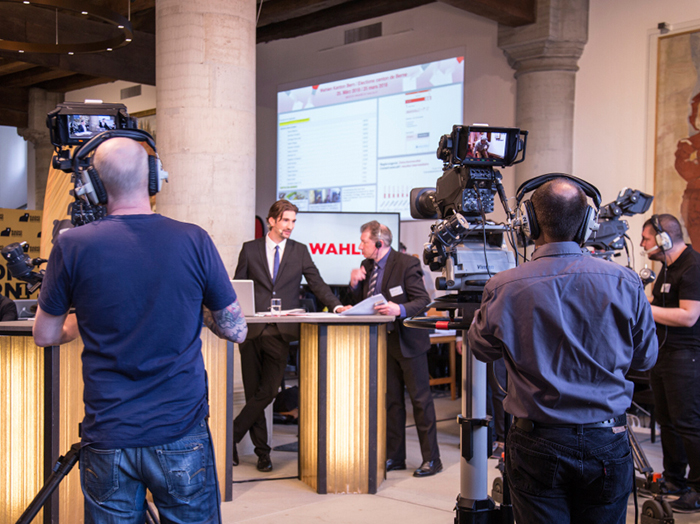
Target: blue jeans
181,477
562,475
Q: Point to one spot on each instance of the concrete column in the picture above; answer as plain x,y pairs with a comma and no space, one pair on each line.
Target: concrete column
205,117
545,56
40,103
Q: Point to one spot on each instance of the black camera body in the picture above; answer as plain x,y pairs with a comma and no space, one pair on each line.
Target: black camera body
463,244
611,236
75,123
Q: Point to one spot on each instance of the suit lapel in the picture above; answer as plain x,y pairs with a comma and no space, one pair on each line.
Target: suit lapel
262,254
288,253
388,269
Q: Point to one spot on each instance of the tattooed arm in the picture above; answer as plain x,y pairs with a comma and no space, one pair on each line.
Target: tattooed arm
228,323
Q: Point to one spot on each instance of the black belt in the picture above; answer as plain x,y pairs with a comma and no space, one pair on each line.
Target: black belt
529,425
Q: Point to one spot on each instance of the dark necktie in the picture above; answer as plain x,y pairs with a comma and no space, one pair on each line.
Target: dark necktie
276,264
373,281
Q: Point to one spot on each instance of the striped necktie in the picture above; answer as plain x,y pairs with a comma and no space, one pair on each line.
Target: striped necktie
373,281
276,264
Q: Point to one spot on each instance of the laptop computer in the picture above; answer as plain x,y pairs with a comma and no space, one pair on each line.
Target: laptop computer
26,308
246,296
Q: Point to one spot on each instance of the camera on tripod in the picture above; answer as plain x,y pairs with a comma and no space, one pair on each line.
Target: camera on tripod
71,125
466,247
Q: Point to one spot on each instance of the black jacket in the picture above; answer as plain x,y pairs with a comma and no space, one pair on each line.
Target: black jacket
296,261
402,283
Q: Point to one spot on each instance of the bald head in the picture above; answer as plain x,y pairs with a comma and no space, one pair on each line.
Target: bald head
560,206
122,164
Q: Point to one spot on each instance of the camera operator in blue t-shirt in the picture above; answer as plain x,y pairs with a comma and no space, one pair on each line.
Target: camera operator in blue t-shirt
141,285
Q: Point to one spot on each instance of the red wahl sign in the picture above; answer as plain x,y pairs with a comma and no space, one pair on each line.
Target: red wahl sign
333,249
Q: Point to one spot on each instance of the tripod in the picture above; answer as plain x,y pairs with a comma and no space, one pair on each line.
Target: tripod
63,466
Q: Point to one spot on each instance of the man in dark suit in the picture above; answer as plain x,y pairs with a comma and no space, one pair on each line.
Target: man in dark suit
399,278
276,264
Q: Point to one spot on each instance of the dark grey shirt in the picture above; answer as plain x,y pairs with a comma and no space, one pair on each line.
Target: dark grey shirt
569,326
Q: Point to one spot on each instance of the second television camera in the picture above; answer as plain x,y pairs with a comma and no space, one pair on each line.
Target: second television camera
466,247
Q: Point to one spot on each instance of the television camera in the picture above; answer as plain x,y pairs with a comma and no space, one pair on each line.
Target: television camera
611,236
467,247
72,125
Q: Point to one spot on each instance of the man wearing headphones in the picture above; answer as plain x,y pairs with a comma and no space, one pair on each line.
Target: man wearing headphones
674,380
141,285
399,278
569,327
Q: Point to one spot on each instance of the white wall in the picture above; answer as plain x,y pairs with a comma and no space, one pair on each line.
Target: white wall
13,169
410,37
612,119
111,93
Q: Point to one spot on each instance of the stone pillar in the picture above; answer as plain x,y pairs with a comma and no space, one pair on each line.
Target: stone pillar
205,117
205,126
40,103
545,56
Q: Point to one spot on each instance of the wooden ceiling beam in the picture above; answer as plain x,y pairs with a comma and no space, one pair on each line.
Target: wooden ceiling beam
275,11
71,83
341,14
512,13
33,76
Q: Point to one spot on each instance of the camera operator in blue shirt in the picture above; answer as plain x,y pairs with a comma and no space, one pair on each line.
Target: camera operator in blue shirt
141,284
569,327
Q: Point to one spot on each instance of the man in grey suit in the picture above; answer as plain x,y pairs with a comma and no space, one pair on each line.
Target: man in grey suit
276,264
399,278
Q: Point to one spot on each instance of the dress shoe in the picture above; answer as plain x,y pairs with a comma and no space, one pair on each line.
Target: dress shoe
235,455
395,465
264,463
429,467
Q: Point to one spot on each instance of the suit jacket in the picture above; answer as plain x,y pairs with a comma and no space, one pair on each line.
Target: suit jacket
402,283
296,261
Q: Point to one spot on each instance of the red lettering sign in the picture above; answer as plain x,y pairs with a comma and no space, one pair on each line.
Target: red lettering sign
345,248
354,250
331,250
317,248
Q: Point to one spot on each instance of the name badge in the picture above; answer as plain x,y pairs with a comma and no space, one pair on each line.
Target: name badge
396,291
666,288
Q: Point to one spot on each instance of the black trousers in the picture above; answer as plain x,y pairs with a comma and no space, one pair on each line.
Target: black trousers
411,374
263,362
674,381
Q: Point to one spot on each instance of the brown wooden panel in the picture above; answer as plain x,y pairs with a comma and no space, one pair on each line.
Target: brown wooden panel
512,13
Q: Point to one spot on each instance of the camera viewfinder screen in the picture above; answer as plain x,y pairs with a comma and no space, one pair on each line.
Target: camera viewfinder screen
87,126
486,146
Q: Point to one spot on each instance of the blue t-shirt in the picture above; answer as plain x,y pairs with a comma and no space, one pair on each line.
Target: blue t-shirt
138,283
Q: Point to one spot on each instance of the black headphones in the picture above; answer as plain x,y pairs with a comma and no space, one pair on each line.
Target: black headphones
528,220
663,239
380,241
92,186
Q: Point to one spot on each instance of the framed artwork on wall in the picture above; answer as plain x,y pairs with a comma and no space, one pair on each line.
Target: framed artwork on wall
677,130
147,121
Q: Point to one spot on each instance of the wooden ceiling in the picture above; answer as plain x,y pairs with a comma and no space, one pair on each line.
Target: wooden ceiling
136,61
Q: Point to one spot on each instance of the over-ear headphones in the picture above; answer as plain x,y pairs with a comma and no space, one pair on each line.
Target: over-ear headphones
92,186
380,241
663,239
528,224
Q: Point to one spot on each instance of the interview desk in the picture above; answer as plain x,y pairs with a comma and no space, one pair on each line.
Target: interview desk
342,413
41,405
342,390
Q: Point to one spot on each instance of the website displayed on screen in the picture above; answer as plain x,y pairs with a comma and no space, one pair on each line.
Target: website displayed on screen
363,143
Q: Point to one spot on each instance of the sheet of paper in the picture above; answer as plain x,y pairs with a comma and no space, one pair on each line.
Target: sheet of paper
366,307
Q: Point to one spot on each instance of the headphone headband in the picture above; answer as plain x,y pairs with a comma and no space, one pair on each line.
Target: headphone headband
135,134
530,185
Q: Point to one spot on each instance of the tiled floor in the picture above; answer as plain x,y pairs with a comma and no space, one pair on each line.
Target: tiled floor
275,497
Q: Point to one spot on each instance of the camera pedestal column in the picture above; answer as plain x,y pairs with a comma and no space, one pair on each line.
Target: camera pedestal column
474,506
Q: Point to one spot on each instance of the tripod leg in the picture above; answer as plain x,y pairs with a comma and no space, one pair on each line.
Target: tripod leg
61,469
